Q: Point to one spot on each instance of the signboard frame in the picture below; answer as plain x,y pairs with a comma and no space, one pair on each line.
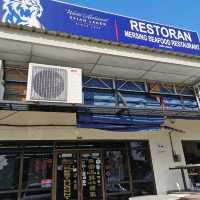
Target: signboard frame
63,17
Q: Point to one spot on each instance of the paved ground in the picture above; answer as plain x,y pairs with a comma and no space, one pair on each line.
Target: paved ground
191,197
157,197
180,196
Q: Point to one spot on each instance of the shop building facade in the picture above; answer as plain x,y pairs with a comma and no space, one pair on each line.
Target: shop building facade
137,120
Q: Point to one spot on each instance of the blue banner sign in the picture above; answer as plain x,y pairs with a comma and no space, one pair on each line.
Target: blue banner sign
57,16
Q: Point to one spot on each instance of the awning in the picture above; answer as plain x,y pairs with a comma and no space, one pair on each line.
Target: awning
119,122
95,59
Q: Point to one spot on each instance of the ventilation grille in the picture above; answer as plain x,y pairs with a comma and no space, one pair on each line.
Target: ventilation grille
47,83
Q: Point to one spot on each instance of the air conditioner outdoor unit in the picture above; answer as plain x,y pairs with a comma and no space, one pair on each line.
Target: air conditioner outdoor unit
54,84
1,81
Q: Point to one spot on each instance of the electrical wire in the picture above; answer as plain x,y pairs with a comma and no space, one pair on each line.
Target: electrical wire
37,125
9,115
173,129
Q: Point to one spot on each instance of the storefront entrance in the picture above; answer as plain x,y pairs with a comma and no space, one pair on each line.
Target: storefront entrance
75,170
79,175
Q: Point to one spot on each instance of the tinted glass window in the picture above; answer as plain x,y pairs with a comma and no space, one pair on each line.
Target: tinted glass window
36,195
9,171
8,196
192,157
192,152
116,171
37,171
141,168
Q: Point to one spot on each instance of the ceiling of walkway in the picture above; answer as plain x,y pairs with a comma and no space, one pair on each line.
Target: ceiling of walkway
98,64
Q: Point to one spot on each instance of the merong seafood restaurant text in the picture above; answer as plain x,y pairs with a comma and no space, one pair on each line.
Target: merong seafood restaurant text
153,29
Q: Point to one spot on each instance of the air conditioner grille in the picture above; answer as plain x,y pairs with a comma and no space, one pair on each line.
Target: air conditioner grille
49,84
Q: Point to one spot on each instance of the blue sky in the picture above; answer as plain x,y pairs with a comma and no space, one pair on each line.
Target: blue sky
180,13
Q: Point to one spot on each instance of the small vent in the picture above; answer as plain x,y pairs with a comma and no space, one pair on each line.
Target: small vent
49,83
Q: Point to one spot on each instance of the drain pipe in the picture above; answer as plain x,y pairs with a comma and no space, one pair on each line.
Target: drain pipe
175,156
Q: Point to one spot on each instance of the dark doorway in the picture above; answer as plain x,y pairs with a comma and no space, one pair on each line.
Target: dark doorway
192,158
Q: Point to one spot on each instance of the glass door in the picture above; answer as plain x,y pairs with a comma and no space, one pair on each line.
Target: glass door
67,181
79,176
91,176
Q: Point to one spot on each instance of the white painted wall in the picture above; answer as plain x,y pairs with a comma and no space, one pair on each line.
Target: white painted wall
169,179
